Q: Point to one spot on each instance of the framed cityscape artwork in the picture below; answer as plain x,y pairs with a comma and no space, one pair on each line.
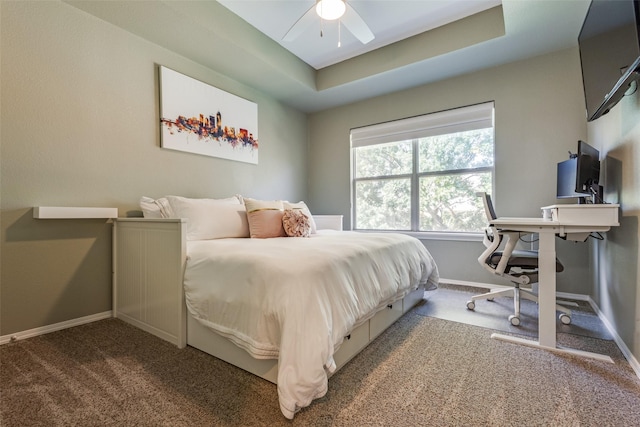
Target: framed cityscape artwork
198,118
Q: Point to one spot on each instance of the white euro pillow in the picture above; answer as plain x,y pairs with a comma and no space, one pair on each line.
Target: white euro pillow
155,208
211,218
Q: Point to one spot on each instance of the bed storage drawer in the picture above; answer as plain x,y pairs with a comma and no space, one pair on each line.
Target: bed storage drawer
384,318
412,299
356,341
210,342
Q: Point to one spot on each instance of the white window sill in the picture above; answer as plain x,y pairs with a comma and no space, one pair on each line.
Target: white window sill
434,235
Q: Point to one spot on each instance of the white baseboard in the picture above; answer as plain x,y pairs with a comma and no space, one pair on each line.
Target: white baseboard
577,297
472,284
635,365
55,327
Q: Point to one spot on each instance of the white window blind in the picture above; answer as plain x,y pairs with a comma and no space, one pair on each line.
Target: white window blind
479,116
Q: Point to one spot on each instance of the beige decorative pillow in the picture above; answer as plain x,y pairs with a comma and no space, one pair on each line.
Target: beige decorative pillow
265,218
302,206
296,223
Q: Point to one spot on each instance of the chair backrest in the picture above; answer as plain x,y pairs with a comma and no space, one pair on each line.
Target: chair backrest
488,206
493,240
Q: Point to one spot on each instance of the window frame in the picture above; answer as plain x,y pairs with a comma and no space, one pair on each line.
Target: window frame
473,117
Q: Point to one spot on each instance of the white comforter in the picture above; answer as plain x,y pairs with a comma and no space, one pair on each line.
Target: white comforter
296,299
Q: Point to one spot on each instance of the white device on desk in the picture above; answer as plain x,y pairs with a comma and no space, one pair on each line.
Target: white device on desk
582,214
565,220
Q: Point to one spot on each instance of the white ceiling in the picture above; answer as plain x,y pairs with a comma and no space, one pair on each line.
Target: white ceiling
207,33
389,20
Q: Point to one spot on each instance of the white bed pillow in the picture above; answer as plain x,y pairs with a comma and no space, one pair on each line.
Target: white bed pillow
155,208
211,218
265,218
302,206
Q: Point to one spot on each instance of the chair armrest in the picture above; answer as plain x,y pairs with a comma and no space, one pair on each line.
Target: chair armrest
510,245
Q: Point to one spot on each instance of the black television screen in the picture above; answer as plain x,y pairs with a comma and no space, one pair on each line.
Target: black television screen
609,44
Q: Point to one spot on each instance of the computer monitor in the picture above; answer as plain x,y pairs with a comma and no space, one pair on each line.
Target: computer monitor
579,176
588,171
566,180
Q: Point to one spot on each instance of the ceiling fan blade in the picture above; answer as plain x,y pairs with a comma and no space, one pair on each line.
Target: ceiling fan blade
301,24
356,25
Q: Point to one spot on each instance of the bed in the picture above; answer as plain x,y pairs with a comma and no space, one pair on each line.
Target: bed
290,310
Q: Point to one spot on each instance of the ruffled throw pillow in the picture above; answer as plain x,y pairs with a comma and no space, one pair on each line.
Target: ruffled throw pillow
296,223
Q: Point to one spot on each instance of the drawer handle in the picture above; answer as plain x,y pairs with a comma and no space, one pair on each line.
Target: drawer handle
348,337
390,306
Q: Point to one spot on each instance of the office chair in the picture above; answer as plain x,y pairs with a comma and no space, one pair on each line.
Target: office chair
519,266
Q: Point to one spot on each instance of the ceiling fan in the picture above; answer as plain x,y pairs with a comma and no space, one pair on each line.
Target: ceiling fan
330,10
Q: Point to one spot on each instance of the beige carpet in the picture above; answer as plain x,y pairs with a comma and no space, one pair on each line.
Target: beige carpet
423,371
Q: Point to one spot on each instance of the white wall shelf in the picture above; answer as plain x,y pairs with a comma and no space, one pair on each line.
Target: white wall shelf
52,212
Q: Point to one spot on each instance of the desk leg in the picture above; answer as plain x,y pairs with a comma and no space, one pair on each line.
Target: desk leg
547,303
547,289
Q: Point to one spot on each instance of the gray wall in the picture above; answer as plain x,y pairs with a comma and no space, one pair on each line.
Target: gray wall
617,278
539,116
80,127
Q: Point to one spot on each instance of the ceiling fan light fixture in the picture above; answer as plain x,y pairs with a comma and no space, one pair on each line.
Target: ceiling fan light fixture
330,9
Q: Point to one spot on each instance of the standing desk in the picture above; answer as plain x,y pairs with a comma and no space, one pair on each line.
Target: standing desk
564,221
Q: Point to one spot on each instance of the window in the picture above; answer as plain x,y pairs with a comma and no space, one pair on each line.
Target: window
423,173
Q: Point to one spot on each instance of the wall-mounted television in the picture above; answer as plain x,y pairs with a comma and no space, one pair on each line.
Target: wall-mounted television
609,44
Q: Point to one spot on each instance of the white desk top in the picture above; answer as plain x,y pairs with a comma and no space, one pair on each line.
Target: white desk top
574,217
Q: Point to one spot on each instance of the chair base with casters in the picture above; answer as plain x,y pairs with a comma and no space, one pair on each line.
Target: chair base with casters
517,293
